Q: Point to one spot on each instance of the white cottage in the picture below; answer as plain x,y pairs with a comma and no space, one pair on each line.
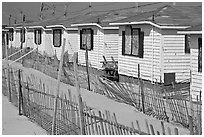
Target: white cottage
195,34
150,39
100,37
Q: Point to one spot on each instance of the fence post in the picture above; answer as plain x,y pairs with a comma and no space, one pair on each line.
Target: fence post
190,125
82,125
152,129
58,88
163,129
9,83
20,98
200,115
87,67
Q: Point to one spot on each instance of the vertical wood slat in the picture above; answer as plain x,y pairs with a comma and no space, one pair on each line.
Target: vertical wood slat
72,116
101,123
152,129
138,126
112,126
92,123
95,123
105,125
169,130
147,126
162,126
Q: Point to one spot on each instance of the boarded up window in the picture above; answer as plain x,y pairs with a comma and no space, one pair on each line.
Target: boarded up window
132,42
11,34
86,39
37,36
187,44
135,42
57,34
199,54
22,37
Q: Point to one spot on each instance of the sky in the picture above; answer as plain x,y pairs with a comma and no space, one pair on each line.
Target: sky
32,9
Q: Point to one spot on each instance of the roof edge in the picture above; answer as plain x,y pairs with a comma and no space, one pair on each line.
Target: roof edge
151,23
189,32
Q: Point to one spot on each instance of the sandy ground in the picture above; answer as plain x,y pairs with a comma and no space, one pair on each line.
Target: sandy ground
125,113
13,124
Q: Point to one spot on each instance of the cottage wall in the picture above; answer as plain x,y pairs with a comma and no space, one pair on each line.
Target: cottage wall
111,43
175,59
48,40
150,66
95,55
71,37
17,38
196,85
72,41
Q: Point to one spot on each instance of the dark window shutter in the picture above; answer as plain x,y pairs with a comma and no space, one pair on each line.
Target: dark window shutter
40,37
22,35
35,36
60,38
123,42
80,39
187,45
141,44
92,38
11,31
199,54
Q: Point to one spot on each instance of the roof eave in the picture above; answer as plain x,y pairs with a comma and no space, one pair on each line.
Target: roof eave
86,24
56,26
150,23
189,32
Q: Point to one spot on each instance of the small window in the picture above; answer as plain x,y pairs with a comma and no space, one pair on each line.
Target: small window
187,44
132,42
11,34
199,54
37,36
57,34
22,37
86,39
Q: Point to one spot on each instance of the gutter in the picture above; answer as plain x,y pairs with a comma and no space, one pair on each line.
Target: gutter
93,24
151,23
189,32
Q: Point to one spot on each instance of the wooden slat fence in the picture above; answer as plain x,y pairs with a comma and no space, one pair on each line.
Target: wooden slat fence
36,102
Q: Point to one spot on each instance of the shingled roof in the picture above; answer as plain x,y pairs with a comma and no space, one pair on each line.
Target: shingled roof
169,16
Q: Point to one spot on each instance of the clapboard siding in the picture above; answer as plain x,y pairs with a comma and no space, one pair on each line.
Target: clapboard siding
196,85
150,63
95,55
17,38
72,42
175,59
111,44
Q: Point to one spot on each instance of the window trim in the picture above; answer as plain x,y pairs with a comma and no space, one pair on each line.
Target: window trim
60,42
139,42
40,36
92,38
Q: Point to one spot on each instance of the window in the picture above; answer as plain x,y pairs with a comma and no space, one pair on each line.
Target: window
11,34
22,37
57,34
187,44
86,39
199,54
37,36
132,42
